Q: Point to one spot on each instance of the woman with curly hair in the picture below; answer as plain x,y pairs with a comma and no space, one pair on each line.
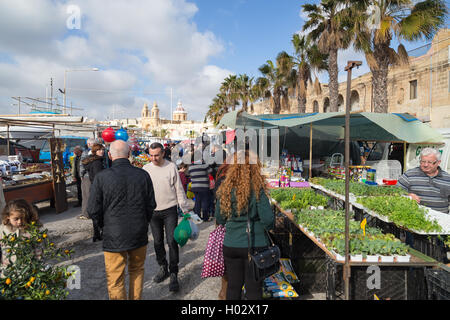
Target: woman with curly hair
243,193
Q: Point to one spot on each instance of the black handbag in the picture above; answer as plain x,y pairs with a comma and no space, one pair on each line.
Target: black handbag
266,261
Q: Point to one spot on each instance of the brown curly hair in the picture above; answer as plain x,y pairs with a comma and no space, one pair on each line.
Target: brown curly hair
242,180
22,206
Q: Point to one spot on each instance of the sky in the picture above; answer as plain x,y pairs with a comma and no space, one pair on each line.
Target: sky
146,51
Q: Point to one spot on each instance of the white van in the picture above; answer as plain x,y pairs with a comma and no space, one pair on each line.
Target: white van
384,151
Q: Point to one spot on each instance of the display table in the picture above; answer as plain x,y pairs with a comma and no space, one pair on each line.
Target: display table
32,192
399,280
429,244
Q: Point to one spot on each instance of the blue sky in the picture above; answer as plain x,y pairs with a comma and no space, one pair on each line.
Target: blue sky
253,30
144,49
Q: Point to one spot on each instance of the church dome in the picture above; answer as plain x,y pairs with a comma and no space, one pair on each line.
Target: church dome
180,108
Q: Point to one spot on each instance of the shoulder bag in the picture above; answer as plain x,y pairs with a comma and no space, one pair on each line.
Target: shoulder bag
265,262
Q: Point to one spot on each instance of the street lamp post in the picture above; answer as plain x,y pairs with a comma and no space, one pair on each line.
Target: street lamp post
346,271
65,76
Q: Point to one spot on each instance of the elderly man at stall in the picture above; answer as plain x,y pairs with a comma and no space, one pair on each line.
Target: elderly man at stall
428,184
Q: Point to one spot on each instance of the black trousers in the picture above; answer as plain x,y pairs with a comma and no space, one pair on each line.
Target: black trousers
165,220
79,192
239,274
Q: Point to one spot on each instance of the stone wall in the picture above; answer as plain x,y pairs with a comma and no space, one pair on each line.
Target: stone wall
431,104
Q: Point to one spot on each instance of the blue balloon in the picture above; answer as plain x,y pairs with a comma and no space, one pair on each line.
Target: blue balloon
121,134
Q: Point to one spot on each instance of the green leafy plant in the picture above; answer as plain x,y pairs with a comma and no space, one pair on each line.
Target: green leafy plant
358,189
329,226
31,273
402,211
304,198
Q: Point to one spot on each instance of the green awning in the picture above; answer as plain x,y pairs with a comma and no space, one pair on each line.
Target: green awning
365,126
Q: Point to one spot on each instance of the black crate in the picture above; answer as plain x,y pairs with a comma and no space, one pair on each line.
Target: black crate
308,260
438,284
396,283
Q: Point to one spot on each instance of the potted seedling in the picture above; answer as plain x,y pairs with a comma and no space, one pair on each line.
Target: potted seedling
355,250
401,252
385,252
373,249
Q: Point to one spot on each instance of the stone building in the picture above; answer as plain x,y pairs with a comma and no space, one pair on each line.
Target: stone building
179,127
421,88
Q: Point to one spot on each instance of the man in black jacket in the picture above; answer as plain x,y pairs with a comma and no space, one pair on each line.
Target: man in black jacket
121,204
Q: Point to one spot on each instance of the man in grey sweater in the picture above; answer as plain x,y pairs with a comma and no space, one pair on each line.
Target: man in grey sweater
169,193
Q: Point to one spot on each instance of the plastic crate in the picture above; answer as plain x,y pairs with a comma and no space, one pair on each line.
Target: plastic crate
438,284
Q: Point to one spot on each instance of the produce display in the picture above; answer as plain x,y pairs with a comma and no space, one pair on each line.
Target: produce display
402,211
298,199
141,160
358,189
328,226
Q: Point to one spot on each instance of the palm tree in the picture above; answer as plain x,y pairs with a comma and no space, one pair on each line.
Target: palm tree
244,85
260,90
405,19
278,77
217,109
230,89
308,58
328,28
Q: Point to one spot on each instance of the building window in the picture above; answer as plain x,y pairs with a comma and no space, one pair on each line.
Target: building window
413,89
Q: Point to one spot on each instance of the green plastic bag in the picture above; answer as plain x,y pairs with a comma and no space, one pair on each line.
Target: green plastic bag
183,231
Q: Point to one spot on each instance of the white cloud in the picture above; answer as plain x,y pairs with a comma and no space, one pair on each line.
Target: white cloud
141,47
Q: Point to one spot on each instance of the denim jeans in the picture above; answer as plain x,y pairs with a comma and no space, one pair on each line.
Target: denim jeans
202,203
165,220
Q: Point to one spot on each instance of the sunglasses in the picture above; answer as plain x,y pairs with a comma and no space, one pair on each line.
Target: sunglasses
428,162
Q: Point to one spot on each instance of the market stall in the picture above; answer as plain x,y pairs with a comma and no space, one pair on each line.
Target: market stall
300,132
311,235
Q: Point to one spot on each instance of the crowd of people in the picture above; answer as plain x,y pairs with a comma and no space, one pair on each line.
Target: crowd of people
123,201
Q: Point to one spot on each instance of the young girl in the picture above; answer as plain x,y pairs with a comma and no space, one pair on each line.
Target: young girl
16,216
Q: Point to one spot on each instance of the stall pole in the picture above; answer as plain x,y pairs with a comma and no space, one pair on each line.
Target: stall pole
7,140
310,151
346,271
404,156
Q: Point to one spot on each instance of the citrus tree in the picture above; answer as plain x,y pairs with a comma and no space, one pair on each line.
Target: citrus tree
32,273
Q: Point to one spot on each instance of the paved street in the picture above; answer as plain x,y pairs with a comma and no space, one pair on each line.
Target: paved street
69,232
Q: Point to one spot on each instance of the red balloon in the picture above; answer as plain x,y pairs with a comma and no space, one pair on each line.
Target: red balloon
109,135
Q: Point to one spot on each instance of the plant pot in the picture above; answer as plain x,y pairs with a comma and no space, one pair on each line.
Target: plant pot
339,257
404,258
387,258
356,258
371,258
